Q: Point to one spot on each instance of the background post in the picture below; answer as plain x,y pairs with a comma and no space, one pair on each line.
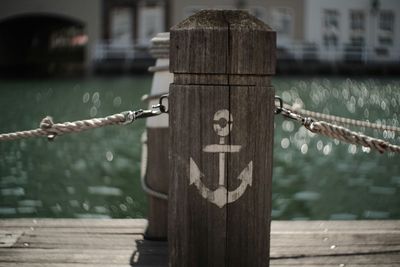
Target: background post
155,148
221,140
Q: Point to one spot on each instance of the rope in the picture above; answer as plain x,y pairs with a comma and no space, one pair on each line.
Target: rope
346,135
338,132
51,130
342,120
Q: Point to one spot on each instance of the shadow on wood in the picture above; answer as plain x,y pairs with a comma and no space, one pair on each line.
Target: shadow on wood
149,253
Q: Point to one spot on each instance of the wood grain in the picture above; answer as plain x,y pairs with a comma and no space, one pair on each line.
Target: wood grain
197,232
73,242
157,179
222,41
248,218
222,62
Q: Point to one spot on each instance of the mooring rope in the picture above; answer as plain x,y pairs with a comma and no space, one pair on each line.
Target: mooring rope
339,132
346,135
51,130
342,120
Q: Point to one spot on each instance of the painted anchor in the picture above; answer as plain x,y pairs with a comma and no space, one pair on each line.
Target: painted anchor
221,196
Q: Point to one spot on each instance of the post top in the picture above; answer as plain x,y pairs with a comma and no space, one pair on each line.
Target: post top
222,42
207,19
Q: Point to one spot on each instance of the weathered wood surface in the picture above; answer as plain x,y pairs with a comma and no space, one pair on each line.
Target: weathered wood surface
221,130
157,179
119,242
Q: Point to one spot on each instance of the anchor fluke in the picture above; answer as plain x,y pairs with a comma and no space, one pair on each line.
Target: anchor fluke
247,174
195,173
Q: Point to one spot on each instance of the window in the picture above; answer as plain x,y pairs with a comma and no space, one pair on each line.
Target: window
121,26
357,28
386,21
386,28
357,20
385,40
330,28
357,41
331,19
330,40
282,20
151,22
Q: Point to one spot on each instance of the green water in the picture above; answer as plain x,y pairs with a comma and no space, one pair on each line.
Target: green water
96,173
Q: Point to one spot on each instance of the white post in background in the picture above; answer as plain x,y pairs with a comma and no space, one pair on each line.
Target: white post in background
155,162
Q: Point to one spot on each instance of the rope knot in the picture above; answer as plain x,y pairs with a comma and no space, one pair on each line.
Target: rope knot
130,117
309,124
47,125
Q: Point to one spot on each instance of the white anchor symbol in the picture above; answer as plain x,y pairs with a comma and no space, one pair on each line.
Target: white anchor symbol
221,196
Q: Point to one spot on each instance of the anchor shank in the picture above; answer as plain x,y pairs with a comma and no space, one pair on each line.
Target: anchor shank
221,169
221,180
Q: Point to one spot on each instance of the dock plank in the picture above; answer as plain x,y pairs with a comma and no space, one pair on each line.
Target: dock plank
119,242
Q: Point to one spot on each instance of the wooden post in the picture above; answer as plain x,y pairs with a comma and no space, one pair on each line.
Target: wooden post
156,176
221,140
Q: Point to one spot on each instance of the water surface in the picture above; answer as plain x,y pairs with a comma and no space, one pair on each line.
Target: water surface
96,173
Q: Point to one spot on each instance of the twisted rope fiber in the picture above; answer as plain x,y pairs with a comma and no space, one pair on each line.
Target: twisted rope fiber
346,135
50,129
342,120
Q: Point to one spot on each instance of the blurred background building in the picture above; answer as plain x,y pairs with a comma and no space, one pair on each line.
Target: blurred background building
42,37
55,36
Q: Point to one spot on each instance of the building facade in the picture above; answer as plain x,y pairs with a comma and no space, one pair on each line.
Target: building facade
118,32
127,29
354,30
50,36
366,31
285,16
128,22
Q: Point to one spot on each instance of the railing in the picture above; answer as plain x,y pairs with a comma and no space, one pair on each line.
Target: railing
107,50
342,53
300,51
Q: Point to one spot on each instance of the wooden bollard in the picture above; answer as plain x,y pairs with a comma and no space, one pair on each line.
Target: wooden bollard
221,140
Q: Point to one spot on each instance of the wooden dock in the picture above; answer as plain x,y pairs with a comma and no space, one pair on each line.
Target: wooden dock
119,242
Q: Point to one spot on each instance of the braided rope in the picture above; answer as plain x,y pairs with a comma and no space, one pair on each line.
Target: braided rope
346,135
51,130
342,120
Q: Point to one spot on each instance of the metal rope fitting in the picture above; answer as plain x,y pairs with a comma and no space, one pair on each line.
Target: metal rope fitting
160,108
